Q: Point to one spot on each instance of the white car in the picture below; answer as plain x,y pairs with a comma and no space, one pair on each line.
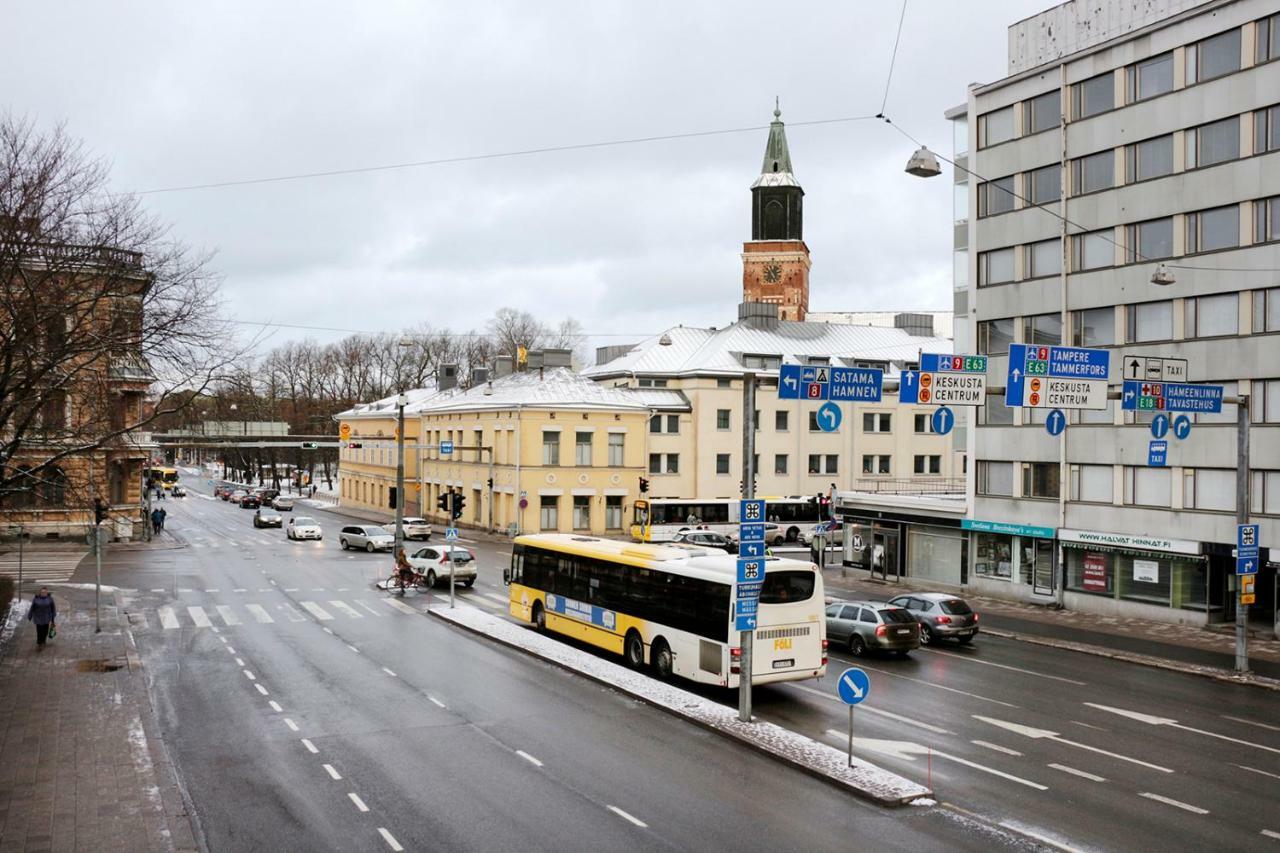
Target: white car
370,537
303,527
417,528
436,562
830,529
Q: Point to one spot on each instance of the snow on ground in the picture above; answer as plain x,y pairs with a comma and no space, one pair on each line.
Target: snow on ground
863,778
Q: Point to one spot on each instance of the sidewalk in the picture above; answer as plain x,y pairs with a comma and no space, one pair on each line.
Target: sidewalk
1180,647
82,767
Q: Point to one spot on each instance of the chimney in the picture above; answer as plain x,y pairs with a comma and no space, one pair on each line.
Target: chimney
919,325
447,377
479,376
758,315
604,355
557,358
504,364
533,358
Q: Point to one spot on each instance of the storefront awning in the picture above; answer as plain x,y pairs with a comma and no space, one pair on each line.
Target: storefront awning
1134,552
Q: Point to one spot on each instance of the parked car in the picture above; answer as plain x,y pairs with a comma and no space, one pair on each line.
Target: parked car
250,502
864,625
830,529
417,528
941,616
267,517
436,562
284,503
706,539
303,527
178,490
370,537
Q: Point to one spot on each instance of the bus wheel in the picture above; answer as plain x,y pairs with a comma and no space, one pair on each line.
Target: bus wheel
663,664
793,534
539,617
633,649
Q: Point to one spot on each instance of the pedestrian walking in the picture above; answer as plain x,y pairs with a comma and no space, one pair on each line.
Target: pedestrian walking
157,520
43,614
164,513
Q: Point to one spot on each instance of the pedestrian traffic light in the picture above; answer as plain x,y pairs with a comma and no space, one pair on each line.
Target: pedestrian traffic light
459,501
99,511
644,485
443,501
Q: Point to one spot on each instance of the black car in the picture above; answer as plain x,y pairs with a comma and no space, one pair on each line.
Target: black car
707,539
250,502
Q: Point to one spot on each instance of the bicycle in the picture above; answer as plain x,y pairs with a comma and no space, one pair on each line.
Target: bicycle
396,585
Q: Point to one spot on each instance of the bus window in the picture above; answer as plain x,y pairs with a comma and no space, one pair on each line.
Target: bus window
786,587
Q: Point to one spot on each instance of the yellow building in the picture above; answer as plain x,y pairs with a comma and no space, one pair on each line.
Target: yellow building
367,453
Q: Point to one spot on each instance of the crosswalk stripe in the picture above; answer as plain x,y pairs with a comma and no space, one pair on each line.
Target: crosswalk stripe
199,617
292,613
501,599
475,601
259,612
230,618
367,607
346,609
399,605
168,619
316,610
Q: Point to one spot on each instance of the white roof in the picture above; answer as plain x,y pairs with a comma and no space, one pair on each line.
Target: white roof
719,351
386,407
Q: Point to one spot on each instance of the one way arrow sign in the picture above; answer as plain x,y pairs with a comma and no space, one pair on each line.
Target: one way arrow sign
1135,369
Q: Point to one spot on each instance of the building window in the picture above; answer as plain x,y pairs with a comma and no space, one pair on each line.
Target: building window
724,383
1264,492
722,419
781,421
1043,329
664,463
1151,158
931,464
1218,228
1044,112
1040,479
1216,142
813,422
1211,316
1150,240
995,478
1266,38
780,463
761,362
1214,57
824,463
995,197
877,422
995,267
876,464
1150,77
1266,220
551,448
1045,184
548,512
1093,173
582,449
581,512
53,487
923,425
1091,484
1093,96
1266,310
1149,321
1266,130
995,413
1092,251
613,512
645,382
1094,327
1147,486
995,127
669,424
722,463
994,336
1209,489
617,448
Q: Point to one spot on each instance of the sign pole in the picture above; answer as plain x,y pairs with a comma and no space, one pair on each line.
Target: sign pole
748,493
850,735
97,582
1242,517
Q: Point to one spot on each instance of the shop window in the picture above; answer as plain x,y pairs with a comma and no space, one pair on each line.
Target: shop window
1089,571
993,555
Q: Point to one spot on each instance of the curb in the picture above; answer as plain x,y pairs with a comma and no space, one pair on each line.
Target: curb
1213,672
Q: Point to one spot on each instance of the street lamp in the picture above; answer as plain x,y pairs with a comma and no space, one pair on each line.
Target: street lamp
923,164
401,401
1162,276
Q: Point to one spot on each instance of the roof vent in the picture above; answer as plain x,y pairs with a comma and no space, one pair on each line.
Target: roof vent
758,315
447,377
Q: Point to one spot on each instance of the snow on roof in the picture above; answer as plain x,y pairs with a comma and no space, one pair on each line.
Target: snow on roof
386,407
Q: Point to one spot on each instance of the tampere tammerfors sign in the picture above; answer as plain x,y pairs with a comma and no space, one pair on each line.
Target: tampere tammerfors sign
1057,377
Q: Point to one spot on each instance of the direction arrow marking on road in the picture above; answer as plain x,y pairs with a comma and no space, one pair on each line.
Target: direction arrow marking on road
907,750
854,688
1174,724
1045,734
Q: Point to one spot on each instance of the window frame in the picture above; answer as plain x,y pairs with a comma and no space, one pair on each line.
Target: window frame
1195,145
1195,56
1133,77
984,267
1078,91
1133,159
1195,230
984,122
1032,112
1134,235
1078,172
995,188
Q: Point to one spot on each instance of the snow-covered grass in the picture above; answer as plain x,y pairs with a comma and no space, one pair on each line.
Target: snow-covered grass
819,759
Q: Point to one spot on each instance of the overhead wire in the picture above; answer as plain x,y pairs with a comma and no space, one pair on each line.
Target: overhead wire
893,58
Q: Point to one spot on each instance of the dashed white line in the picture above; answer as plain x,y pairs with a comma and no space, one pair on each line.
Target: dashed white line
390,839
388,672
328,630
291,724
157,590
1270,834
239,661
632,818
1074,772
275,706
1256,770
241,589
1175,803
997,747
333,774
262,689
355,798
211,590
311,747
289,588
436,702
353,648
230,649
529,758
249,675
1251,723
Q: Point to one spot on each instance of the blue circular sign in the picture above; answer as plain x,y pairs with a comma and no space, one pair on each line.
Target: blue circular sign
829,417
1181,426
854,685
1160,425
943,420
1055,422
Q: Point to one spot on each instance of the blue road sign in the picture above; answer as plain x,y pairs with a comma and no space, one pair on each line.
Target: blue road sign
751,510
1247,557
1055,422
819,382
1057,377
750,549
856,384
1158,454
853,686
1181,426
909,386
750,570
943,420
746,607
446,447
450,534
753,532
1160,425
1171,397
829,417
744,623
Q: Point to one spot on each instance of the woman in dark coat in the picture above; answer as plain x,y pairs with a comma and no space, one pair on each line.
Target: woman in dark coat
43,613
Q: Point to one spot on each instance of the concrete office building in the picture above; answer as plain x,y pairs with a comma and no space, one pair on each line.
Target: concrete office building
1148,133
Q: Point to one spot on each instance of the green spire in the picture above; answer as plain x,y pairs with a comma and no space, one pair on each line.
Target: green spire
777,158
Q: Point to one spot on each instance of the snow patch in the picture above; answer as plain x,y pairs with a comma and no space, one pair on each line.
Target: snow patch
104,587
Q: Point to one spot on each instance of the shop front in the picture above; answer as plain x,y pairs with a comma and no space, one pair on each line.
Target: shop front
892,545
1150,577
1012,560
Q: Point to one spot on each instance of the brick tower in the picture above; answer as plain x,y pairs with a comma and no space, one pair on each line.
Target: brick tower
775,264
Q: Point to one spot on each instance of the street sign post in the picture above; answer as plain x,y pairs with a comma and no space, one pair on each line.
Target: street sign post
1145,368
945,380
943,420
1170,397
820,382
1057,377
446,448
450,534
1158,454
750,563
1247,555
829,417
853,687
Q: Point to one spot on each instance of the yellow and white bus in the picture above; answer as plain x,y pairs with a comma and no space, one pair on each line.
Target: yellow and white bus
669,606
661,519
165,477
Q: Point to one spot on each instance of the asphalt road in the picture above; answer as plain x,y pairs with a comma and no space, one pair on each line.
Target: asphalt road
305,709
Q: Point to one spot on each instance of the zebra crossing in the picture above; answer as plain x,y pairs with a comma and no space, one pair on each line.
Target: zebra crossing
41,567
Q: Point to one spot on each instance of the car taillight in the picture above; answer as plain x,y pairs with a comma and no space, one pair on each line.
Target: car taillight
975,617
943,620
881,630
735,660
825,644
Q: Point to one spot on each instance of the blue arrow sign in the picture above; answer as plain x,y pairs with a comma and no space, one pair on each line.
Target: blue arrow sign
909,387
943,420
1160,426
446,447
744,623
1028,362
751,549
1055,422
1171,397
829,417
1247,545
853,686
1158,454
1181,426
789,379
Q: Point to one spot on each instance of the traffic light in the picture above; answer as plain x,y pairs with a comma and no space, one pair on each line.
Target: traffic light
490,482
459,501
391,493
443,501
310,445
99,511
644,485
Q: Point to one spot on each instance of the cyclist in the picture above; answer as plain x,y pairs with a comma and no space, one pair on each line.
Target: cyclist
404,571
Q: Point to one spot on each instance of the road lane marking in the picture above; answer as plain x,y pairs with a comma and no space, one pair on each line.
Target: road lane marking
230,649
211,590
333,774
327,630
316,610
871,710
1251,723
1029,731
248,675
318,589
390,839
239,662
1087,726
388,672
367,607
1270,834
1041,837
436,702
240,589
958,656
907,750
1175,803
346,609
1153,720
355,798
157,590
930,683
353,648
311,747
264,589
216,631
529,758
501,599
275,706
168,620
620,813
1256,770
259,612
290,589
292,612
998,748
1074,772
399,605
261,689
198,616
291,724
230,618
186,590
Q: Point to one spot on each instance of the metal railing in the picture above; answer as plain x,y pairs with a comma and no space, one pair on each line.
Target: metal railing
910,485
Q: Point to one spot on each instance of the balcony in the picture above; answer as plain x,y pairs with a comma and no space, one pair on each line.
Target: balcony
130,368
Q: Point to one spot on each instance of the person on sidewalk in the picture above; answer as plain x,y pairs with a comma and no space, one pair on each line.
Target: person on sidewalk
164,514
157,520
43,613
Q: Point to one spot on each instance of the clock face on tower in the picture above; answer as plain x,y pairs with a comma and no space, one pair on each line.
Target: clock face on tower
773,273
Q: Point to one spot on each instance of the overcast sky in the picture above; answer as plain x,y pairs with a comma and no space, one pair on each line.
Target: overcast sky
628,239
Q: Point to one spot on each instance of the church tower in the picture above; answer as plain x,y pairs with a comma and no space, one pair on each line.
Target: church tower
775,264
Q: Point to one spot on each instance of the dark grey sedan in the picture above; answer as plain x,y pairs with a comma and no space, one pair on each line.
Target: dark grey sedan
864,625
941,616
